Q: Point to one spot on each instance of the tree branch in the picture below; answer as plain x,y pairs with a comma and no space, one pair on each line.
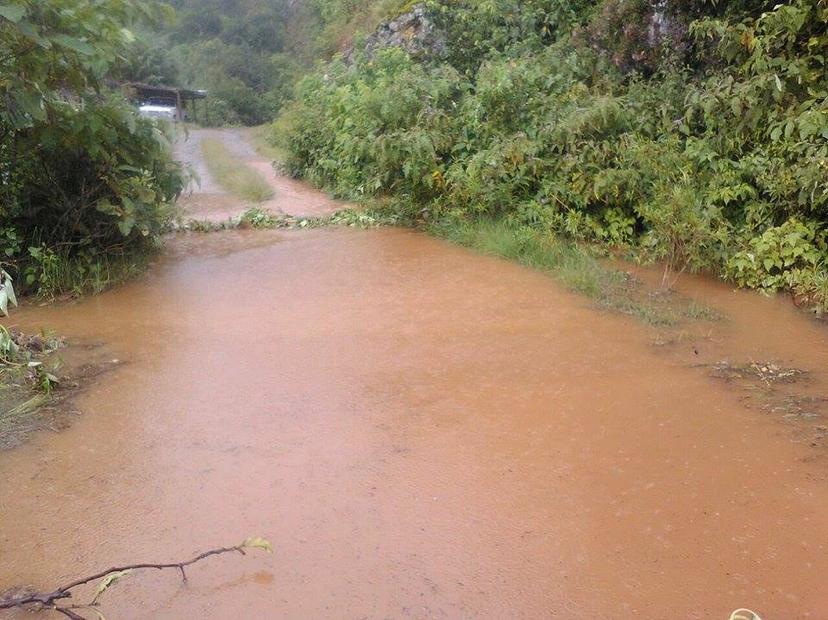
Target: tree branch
49,600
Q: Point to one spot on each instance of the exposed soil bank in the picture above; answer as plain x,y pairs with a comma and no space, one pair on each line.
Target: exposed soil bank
422,432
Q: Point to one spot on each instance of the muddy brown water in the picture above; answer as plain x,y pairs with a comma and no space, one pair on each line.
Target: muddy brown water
421,432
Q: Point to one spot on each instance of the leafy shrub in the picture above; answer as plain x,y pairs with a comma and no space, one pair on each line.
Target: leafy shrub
776,258
382,129
83,176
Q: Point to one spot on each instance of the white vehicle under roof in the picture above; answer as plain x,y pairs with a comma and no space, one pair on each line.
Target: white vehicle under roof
152,110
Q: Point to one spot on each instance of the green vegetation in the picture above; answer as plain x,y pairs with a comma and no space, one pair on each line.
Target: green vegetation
259,218
233,174
54,275
249,53
705,147
86,184
236,49
260,138
318,29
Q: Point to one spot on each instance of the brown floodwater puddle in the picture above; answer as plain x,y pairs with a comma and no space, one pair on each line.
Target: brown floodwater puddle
421,432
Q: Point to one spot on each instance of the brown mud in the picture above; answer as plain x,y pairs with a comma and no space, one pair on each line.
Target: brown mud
768,351
422,432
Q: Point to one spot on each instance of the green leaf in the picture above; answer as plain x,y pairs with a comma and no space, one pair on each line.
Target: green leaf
30,106
105,206
30,31
126,225
6,281
107,582
12,12
258,543
81,47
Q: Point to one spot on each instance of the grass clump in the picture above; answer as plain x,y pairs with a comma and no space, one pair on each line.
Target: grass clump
700,312
234,175
51,274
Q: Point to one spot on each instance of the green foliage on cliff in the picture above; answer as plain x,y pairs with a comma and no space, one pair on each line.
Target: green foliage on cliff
705,146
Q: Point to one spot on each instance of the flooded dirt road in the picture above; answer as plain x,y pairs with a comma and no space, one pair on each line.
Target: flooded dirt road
421,432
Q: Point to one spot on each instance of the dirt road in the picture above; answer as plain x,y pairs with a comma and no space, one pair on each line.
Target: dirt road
205,199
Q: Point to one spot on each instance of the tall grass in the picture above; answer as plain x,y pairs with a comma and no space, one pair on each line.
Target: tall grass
233,174
54,275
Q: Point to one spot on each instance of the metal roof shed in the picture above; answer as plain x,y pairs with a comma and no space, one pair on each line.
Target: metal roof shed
184,99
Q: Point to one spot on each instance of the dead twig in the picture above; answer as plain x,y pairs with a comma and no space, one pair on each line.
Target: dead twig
50,600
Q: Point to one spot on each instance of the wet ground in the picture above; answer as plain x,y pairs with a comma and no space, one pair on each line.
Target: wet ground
423,432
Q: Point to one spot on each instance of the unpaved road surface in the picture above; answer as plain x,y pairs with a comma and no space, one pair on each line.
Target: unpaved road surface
205,199
422,432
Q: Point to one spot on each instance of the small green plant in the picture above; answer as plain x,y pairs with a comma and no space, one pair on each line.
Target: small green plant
779,256
8,347
42,379
260,218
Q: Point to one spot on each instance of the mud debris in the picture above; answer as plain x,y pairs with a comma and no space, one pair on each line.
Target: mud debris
767,372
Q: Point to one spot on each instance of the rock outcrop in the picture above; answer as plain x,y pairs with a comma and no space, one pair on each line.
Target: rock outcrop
635,35
414,31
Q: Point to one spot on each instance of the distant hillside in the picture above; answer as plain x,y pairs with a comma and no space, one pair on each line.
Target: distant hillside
249,53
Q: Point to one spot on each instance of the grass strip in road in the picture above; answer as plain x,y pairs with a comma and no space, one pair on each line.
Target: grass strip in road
261,139
233,174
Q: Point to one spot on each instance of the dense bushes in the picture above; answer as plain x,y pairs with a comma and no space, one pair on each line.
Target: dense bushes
83,178
714,157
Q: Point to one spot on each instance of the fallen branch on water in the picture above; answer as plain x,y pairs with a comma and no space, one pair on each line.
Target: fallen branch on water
50,600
